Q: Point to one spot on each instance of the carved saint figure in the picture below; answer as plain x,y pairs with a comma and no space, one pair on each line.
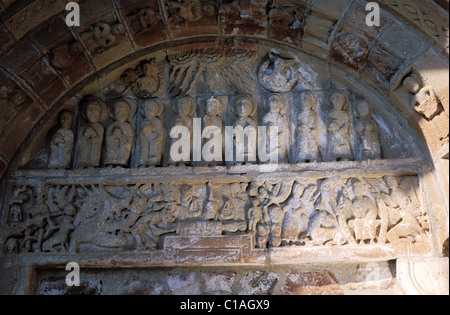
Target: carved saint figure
275,118
62,143
91,136
338,127
245,109
308,148
152,135
212,119
368,133
119,136
185,110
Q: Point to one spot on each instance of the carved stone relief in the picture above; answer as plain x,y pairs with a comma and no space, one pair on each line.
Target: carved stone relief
328,211
128,130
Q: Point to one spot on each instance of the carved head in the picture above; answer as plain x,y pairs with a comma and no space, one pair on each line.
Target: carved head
12,246
275,103
186,107
121,111
307,100
66,119
391,182
93,112
15,213
245,107
358,188
153,108
411,85
339,100
213,107
364,109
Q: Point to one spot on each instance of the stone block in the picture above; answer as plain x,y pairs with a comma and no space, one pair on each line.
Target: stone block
144,21
257,282
311,283
20,56
15,136
184,283
423,275
56,285
189,18
6,38
287,22
44,80
244,18
32,15
402,42
218,283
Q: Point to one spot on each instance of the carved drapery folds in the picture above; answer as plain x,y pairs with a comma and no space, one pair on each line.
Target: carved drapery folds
132,127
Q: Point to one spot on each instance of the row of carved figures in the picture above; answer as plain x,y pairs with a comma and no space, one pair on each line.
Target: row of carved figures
114,145
333,211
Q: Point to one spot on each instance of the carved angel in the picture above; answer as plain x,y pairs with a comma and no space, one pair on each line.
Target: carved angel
278,74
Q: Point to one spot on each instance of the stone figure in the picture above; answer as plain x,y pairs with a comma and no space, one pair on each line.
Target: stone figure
61,146
276,216
184,110
276,118
245,110
151,83
403,213
278,74
365,223
90,140
255,215
428,104
119,135
338,128
298,209
308,147
15,214
152,135
368,133
212,119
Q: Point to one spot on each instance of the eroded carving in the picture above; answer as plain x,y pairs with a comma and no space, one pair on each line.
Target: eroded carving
278,74
329,211
368,132
120,134
307,139
91,136
338,128
62,143
152,135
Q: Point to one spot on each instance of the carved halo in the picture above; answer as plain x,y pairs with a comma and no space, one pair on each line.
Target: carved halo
90,99
238,101
129,102
160,110
192,101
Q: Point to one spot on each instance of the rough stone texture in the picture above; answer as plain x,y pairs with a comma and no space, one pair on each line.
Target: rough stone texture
347,279
47,68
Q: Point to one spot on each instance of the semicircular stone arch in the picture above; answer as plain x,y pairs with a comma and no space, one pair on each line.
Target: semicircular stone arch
362,166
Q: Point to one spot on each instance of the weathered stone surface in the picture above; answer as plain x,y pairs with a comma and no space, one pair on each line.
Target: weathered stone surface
311,283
